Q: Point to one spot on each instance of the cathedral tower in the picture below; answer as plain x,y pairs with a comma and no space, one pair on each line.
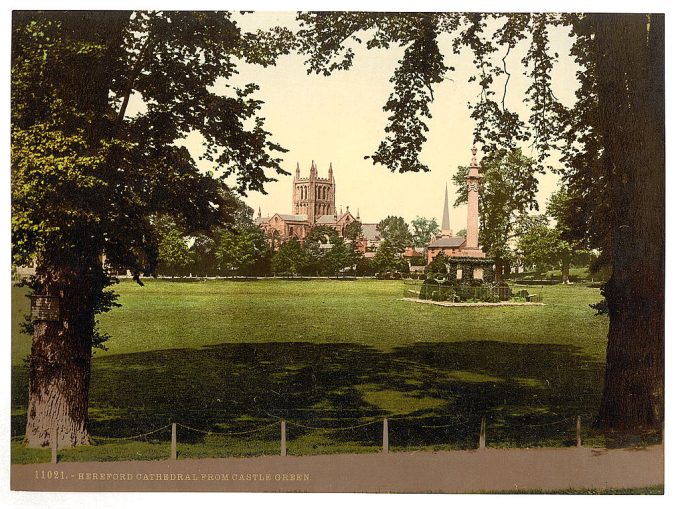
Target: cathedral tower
313,196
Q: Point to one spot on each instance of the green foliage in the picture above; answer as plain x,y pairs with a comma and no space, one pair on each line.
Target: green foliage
203,256
395,233
353,231
423,230
541,247
365,267
88,177
290,258
438,265
544,246
174,256
329,39
385,259
238,248
327,252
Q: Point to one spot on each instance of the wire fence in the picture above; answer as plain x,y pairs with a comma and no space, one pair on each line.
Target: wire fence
389,424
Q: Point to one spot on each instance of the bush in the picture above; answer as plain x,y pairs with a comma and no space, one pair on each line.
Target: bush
365,267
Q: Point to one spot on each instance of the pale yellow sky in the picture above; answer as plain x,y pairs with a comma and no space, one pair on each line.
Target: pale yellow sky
339,120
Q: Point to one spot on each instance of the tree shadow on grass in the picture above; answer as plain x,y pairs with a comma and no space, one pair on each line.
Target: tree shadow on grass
433,393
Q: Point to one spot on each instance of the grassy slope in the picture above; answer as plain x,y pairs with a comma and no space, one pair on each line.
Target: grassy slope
233,356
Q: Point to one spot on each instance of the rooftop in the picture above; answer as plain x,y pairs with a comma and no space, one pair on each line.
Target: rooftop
327,219
447,242
370,231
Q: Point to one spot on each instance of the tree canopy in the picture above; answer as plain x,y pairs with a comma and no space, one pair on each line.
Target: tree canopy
89,173
423,230
395,233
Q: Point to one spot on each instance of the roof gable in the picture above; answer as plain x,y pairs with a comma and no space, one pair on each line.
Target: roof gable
447,242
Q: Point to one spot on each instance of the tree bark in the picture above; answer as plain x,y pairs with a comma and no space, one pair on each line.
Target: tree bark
59,387
631,74
61,353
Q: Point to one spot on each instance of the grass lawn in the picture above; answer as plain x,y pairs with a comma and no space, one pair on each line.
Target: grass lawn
235,356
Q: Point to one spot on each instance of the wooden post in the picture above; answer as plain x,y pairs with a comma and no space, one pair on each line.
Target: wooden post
578,431
283,438
54,445
482,434
173,442
386,438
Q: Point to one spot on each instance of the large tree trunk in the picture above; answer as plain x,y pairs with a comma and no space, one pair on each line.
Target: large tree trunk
59,386
59,374
632,87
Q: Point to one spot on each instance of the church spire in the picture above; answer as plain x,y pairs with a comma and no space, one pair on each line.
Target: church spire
446,224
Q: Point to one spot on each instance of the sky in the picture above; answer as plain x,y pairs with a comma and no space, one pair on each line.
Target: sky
339,120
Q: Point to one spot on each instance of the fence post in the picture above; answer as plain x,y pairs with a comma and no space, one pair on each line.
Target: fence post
283,438
386,439
578,431
482,434
173,442
53,443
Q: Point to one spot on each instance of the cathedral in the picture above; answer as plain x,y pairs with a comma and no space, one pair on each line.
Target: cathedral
313,205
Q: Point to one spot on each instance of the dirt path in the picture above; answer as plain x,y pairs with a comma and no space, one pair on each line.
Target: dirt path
447,472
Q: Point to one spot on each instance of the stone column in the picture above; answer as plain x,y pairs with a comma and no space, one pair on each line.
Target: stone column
472,238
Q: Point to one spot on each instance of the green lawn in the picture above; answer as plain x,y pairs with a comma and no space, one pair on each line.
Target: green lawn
233,356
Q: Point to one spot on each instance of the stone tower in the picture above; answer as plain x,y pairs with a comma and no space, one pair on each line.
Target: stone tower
313,196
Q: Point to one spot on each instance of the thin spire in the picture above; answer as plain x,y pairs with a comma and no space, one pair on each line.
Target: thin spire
446,225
